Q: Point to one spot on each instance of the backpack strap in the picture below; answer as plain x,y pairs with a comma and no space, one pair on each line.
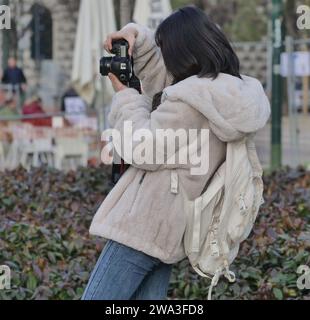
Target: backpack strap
214,282
253,157
199,204
223,271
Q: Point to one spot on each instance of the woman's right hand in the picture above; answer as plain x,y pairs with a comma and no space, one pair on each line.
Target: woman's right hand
128,33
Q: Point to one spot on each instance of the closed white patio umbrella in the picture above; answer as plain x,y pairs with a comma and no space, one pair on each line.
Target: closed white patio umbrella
151,12
96,21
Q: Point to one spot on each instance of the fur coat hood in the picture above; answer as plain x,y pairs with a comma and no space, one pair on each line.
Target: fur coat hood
234,107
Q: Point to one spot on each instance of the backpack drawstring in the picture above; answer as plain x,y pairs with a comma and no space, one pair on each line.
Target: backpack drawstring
228,274
214,282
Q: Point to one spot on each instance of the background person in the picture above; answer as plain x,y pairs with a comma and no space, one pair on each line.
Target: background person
33,107
14,76
15,81
74,107
8,108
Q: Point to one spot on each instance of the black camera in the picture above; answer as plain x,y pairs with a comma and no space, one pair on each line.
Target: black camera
121,65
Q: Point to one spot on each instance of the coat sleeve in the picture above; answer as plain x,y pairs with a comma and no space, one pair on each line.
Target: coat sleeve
149,65
131,107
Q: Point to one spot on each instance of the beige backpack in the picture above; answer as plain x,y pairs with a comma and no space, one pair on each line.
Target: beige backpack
223,216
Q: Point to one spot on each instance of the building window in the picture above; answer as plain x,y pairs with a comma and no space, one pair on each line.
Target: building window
42,33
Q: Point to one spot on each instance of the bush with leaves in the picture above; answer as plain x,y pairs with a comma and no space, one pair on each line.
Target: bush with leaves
45,217
44,221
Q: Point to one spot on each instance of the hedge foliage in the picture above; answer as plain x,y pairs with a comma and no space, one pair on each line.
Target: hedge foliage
45,217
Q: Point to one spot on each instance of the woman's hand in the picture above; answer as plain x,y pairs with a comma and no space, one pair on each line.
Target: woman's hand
117,85
128,33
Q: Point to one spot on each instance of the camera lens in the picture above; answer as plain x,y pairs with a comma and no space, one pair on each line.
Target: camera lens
123,77
105,65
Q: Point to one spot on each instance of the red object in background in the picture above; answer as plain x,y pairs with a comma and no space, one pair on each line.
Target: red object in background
2,98
93,162
35,108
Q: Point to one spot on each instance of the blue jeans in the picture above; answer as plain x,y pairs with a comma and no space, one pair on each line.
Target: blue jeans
123,273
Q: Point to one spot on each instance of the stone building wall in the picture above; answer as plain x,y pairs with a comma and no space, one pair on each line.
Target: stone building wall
254,59
64,30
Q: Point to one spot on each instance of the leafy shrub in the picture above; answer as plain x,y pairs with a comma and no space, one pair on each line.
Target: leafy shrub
45,217
44,221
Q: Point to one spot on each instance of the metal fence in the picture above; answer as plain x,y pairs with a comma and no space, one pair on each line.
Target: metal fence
296,103
298,97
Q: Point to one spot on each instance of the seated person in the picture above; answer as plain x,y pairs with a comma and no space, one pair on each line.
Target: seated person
8,108
34,107
2,98
74,107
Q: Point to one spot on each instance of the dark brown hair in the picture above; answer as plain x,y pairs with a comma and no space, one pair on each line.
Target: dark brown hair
191,44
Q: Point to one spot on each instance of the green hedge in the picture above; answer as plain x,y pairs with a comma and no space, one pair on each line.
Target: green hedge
45,217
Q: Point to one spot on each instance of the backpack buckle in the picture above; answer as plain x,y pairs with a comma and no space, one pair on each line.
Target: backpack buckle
215,248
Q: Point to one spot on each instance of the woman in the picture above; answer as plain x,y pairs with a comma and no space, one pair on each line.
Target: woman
187,70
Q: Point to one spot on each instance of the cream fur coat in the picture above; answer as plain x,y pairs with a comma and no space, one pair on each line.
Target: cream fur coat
144,210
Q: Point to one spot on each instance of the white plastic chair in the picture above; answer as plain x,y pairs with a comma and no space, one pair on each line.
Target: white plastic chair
72,150
43,152
31,147
20,134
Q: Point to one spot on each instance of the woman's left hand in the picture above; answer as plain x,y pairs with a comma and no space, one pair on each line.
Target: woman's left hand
117,85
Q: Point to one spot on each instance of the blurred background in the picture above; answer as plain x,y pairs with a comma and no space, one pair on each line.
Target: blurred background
59,95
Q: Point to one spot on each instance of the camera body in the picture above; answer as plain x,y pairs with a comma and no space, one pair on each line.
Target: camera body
121,65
